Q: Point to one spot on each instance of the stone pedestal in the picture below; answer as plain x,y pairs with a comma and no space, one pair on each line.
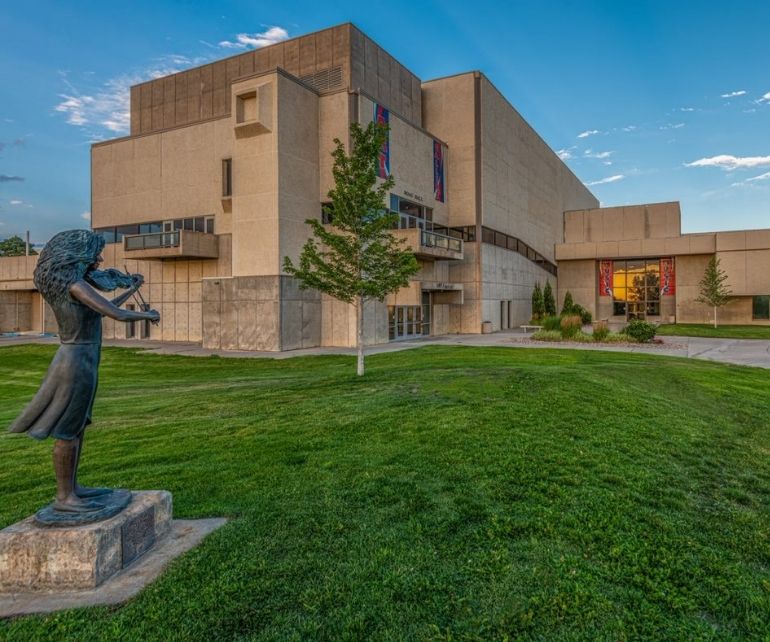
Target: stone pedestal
40,559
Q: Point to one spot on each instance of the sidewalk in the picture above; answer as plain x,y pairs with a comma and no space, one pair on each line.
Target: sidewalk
745,352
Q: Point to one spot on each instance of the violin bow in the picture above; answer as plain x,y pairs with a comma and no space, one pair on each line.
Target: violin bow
136,292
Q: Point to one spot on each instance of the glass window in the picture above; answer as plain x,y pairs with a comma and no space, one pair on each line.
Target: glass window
107,233
199,224
227,177
761,307
150,228
178,224
209,225
394,203
125,230
187,224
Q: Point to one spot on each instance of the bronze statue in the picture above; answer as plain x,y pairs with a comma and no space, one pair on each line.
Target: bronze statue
67,277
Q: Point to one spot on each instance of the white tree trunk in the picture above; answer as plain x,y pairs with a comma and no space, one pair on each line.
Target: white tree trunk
360,336
715,316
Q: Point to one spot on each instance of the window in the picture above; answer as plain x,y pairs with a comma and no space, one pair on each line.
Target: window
636,289
108,234
761,307
209,225
150,228
125,230
227,177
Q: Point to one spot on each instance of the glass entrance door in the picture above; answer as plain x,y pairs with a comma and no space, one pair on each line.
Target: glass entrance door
409,321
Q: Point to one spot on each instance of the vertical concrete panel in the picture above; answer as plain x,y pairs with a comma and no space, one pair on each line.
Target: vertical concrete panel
207,91
261,60
246,62
307,55
157,104
180,95
291,57
194,95
323,49
136,110
169,102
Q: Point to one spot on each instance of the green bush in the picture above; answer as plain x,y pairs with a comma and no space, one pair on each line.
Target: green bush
547,335
601,331
538,305
568,304
641,331
552,323
548,300
585,315
570,326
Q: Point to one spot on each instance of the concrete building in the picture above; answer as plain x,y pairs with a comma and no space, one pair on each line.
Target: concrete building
225,162
628,262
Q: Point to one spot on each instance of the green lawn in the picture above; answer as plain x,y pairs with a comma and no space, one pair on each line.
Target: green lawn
454,493
721,332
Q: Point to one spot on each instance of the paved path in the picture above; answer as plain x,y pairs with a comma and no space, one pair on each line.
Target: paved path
746,352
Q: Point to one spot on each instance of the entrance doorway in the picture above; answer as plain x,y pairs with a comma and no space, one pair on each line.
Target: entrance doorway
410,321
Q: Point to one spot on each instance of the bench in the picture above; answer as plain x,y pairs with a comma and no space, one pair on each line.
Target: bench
534,328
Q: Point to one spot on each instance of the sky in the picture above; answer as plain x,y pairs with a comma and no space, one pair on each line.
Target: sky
646,101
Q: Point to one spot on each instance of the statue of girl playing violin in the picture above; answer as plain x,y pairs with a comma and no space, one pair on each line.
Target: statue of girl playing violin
67,276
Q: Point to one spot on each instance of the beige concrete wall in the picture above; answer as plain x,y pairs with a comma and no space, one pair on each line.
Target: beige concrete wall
630,222
298,167
16,272
448,112
173,287
334,118
204,92
174,174
580,279
16,311
377,73
526,187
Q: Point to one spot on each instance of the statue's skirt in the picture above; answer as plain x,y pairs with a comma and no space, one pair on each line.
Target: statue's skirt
62,406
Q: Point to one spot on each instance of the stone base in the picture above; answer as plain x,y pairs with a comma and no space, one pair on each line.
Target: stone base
184,535
33,558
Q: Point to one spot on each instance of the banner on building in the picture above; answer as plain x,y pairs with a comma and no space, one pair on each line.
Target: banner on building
382,117
605,278
438,171
667,277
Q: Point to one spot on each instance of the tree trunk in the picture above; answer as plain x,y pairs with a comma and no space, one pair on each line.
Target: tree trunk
715,316
360,336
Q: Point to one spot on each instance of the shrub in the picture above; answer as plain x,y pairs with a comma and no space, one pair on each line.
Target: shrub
546,335
549,300
552,323
538,304
570,326
641,331
568,304
601,331
585,315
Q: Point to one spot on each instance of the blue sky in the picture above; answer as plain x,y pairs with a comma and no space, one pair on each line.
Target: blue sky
646,101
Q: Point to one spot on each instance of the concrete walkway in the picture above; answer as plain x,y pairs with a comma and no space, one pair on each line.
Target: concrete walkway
746,352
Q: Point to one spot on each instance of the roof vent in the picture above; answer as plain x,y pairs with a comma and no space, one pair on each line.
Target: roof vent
325,79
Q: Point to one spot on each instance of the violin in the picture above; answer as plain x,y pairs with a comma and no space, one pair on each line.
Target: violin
109,279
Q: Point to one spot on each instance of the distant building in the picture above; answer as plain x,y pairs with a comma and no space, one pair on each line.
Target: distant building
226,161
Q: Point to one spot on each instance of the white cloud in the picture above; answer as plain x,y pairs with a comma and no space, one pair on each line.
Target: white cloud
592,154
761,177
609,179
729,163
733,94
564,154
256,40
86,216
765,98
671,126
588,132
687,109
15,202
629,128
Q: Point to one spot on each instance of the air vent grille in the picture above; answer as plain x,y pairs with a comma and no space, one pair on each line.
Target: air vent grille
325,79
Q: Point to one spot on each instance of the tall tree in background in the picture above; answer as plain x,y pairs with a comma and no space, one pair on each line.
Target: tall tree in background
14,246
357,258
548,300
538,305
713,290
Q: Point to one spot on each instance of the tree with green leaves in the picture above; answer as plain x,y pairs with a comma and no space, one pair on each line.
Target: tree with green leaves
356,258
548,300
538,305
713,290
14,246
569,304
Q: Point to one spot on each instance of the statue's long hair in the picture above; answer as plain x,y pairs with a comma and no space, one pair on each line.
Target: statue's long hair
65,259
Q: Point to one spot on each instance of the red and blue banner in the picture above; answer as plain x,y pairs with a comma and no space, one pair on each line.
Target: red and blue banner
606,278
382,117
667,277
438,171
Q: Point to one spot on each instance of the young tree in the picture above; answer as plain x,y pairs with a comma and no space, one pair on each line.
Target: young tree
538,306
14,246
713,290
548,300
356,258
569,304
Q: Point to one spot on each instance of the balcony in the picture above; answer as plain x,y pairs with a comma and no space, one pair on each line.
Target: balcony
431,245
179,244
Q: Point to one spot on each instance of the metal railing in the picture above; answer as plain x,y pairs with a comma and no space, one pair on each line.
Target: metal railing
441,241
151,241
